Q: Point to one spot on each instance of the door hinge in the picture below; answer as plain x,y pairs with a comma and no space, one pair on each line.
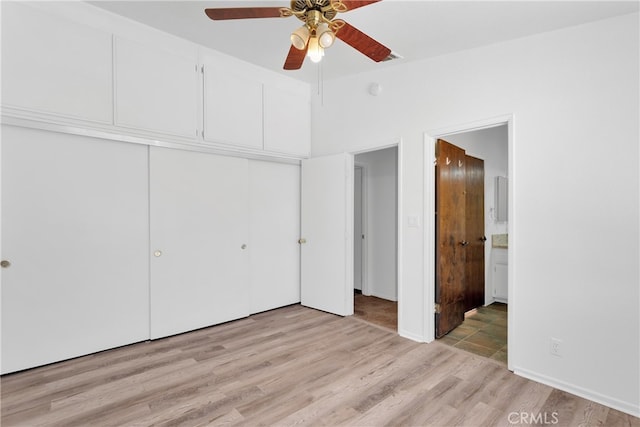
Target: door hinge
437,309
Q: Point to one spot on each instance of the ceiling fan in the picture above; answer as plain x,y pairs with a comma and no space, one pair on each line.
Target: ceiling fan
319,30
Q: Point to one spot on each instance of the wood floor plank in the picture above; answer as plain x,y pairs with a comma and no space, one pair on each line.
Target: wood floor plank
288,367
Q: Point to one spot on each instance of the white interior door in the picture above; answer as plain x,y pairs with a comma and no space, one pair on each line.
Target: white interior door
75,230
327,227
199,238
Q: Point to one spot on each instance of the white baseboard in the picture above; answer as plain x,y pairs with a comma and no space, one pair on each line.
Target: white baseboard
626,407
383,296
411,336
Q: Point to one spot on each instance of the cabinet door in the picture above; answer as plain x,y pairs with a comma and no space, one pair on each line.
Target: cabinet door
75,230
500,271
274,230
500,279
51,65
156,90
287,121
199,232
232,105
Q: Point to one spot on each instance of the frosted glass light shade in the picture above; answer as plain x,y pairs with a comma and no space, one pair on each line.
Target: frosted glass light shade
325,35
315,51
300,37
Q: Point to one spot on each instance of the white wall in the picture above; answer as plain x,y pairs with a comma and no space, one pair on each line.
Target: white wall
489,145
574,222
381,172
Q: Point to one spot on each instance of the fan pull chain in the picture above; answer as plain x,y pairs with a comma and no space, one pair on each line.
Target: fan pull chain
321,83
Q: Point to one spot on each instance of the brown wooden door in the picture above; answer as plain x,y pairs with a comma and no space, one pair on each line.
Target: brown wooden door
450,236
474,229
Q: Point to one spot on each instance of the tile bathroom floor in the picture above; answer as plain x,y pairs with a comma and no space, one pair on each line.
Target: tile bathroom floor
483,332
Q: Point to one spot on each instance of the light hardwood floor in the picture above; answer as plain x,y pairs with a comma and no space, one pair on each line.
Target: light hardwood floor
291,366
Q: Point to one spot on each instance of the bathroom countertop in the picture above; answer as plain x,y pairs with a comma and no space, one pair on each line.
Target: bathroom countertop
500,241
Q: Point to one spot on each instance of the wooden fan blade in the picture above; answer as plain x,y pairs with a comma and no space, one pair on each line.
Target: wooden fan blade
223,13
362,42
354,4
295,58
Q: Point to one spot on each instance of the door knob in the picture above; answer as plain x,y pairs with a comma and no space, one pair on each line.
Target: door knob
157,254
483,239
243,247
5,264
302,241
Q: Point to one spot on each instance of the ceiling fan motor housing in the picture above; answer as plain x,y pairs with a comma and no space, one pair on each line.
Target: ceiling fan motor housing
322,6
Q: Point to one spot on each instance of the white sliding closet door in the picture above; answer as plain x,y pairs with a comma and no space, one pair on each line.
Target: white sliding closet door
75,231
199,238
274,227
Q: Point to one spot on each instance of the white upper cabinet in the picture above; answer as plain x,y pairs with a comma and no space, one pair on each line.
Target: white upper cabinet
232,103
249,107
55,66
75,66
287,120
156,88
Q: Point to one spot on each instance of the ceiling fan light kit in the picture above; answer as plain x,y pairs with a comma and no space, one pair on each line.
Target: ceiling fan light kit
300,37
319,31
325,35
315,52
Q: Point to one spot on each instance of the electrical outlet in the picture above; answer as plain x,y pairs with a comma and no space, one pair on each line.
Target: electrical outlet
555,347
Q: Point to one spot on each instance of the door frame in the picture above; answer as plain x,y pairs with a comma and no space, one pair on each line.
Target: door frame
364,251
399,215
430,138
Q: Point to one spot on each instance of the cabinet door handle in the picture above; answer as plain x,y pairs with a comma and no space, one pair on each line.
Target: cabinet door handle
5,264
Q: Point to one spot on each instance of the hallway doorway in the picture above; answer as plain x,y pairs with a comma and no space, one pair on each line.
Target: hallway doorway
379,311
376,237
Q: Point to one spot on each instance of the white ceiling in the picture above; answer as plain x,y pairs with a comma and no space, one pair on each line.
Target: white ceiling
415,29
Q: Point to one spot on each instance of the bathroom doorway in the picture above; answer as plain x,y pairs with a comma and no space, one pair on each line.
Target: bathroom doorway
483,330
